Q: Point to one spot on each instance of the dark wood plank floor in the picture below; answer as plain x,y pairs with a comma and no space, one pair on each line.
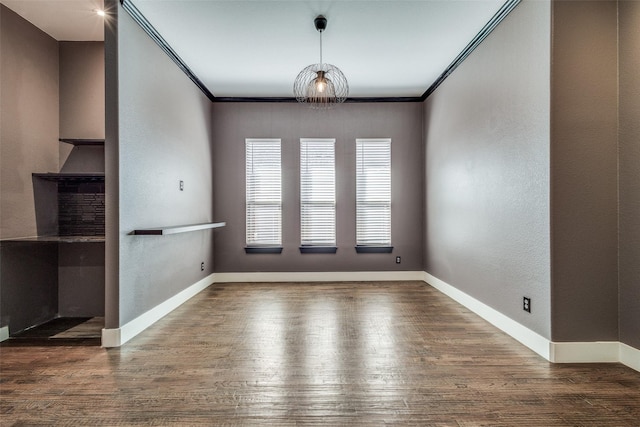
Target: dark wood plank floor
313,354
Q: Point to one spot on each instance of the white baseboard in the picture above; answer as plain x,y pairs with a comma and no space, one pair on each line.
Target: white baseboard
4,333
565,352
630,356
584,352
338,276
115,337
526,336
556,352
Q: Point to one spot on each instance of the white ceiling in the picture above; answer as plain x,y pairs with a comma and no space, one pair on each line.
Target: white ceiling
255,48
64,20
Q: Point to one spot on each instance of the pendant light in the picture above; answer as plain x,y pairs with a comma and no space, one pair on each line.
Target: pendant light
321,85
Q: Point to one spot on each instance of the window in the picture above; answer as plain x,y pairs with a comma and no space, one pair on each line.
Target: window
264,193
317,194
373,193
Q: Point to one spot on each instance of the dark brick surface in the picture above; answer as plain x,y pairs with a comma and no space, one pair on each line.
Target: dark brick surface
81,208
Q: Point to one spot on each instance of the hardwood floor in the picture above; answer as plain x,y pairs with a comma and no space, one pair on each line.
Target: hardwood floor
313,354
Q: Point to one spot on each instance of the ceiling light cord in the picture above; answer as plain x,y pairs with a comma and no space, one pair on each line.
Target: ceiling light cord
320,48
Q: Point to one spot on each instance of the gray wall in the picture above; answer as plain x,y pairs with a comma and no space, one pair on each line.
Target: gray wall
584,171
81,104
158,133
29,124
629,187
487,170
28,143
82,90
233,122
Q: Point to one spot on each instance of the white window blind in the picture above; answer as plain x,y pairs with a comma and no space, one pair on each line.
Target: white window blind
264,192
373,192
317,192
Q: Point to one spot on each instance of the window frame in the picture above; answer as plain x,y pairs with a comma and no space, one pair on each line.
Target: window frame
364,242
317,205
252,179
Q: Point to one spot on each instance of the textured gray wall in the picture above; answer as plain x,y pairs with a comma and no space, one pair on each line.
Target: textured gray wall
232,123
629,190
28,123
487,171
584,171
162,137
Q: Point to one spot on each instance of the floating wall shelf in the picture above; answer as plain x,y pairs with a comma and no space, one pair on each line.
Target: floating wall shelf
58,239
82,141
161,231
71,176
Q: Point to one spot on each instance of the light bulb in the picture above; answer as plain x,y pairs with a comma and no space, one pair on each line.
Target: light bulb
100,12
321,82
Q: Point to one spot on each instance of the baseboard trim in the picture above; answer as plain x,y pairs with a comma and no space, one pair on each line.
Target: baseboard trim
555,352
584,352
630,356
4,333
338,276
526,336
115,337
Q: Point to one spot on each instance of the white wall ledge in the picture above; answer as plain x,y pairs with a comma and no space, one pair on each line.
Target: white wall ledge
175,229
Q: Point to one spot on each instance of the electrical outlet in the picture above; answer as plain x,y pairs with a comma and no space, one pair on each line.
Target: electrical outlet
398,259
526,304
181,185
202,266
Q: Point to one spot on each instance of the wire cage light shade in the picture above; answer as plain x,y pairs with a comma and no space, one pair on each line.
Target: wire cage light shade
321,85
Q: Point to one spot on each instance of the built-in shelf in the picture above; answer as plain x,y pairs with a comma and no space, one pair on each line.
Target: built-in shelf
82,141
98,176
161,231
58,239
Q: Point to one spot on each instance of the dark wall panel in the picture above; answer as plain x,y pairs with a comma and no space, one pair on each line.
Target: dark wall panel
629,158
29,277
584,157
81,279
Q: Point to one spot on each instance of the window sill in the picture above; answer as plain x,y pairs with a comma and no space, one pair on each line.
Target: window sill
374,249
263,250
318,249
